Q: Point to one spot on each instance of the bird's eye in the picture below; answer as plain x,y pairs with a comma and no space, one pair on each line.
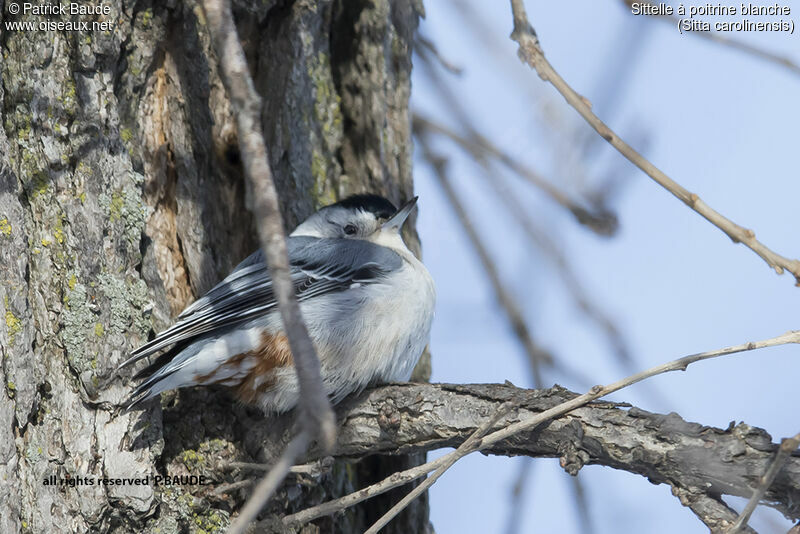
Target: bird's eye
350,229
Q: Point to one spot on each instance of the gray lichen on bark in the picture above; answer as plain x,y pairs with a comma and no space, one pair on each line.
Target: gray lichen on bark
71,197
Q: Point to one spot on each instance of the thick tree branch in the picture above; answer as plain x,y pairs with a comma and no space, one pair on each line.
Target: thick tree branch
699,461
703,462
531,53
512,430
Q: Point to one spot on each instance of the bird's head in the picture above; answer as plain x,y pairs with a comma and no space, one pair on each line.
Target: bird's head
368,217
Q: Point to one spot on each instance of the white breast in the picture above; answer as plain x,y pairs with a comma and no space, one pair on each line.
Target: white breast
397,324
380,338
383,335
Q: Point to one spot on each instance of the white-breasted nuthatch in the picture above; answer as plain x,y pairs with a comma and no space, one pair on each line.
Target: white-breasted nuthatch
366,300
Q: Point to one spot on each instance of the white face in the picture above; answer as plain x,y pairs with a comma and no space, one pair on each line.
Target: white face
338,222
380,225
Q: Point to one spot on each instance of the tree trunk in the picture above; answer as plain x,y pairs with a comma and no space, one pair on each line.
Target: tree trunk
122,200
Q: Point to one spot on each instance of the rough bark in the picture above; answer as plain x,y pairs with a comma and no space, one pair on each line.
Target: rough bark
701,464
122,200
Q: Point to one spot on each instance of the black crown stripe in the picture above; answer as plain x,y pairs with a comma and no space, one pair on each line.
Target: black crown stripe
376,204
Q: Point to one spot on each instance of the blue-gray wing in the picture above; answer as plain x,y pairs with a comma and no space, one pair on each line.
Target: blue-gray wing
317,266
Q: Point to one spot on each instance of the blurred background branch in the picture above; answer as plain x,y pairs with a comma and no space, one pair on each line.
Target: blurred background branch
531,52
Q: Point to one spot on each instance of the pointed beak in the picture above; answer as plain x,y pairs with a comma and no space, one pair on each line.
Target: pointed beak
397,220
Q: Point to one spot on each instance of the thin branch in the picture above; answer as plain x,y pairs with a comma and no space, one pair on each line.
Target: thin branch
736,44
404,477
602,222
465,448
270,482
571,280
747,48
531,52
516,503
710,509
247,107
394,480
314,469
535,353
601,391
222,489
426,46
591,309
585,525
788,446
315,409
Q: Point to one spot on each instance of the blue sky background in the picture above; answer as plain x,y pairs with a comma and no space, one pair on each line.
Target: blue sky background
721,123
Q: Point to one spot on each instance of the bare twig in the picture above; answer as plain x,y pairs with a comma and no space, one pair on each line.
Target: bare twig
747,48
488,42
536,355
233,486
531,52
571,280
425,45
394,480
710,509
404,477
321,466
270,482
736,44
556,131
788,446
602,222
465,448
314,469
581,505
315,410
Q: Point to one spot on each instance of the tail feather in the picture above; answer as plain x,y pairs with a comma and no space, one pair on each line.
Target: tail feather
198,363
